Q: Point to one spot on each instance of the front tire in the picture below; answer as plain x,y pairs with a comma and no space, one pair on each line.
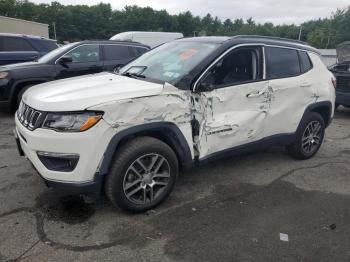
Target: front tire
309,137
142,175
20,95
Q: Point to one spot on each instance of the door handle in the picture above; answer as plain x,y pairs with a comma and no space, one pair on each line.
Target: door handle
305,85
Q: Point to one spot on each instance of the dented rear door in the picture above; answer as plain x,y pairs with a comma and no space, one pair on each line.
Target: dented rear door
292,90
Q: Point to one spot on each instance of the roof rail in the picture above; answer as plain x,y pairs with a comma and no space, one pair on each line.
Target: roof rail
272,38
108,40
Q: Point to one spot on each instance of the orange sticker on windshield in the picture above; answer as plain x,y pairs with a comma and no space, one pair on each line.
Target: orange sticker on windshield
188,53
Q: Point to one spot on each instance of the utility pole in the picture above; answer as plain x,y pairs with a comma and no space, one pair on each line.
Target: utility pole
54,30
300,31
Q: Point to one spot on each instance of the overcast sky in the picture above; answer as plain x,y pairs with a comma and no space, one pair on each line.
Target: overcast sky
275,11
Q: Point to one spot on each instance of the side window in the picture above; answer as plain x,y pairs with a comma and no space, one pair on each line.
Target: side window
16,44
305,61
140,50
240,66
116,52
281,62
85,53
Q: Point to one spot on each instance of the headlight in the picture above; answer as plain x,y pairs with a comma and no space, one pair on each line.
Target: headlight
71,122
3,75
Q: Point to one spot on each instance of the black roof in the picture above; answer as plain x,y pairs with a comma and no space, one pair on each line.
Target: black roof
113,42
245,39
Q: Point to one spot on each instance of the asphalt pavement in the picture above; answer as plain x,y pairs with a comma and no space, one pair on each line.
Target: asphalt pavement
261,206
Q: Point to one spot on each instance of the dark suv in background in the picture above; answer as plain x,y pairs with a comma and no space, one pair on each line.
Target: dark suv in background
341,71
22,48
81,58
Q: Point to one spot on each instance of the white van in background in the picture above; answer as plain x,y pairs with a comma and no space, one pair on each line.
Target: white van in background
151,39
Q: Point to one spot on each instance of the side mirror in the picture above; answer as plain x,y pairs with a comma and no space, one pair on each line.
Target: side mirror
205,87
65,59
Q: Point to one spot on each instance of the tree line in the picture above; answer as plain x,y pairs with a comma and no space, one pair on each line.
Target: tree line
79,22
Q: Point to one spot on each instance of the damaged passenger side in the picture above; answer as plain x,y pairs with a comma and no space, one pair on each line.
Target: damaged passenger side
224,106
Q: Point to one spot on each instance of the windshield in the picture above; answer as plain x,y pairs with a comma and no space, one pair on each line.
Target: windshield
169,62
46,58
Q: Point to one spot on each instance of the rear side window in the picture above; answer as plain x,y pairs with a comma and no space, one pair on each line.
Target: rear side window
116,52
44,45
8,44
305,62
281,62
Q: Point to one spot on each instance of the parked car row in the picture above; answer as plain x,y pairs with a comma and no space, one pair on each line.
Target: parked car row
130,131
75,59
16,48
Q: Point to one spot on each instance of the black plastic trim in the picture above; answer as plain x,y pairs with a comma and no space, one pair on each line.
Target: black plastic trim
314,106
57,163
274,140
170,130
92,188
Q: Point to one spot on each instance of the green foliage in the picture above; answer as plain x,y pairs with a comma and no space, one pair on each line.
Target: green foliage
78,22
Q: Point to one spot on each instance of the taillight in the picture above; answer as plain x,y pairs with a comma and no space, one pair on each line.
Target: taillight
334,82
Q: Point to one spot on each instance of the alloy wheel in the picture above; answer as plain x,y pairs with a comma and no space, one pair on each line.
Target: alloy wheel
146,178
312,137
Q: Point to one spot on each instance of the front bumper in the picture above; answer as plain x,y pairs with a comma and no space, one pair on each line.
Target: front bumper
5,104
89,145
92,188
343,98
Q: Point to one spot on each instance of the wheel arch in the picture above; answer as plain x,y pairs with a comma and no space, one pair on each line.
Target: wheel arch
323,108
18,85
167,132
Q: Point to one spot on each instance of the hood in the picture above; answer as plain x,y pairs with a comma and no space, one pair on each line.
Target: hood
80,93
343,52
19,66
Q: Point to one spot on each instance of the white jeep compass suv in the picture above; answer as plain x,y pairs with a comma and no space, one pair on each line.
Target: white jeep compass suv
181,104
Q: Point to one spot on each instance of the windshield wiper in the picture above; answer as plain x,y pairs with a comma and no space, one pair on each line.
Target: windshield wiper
135,72
133,75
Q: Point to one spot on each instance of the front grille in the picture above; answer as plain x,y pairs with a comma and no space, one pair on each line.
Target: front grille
343,83
29,117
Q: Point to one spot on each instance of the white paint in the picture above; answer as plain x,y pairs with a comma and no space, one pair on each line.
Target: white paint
227,117
85,144
240,118
81,92
274,107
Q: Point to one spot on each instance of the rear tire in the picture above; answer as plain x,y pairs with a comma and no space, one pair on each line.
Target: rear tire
309,137
142,175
